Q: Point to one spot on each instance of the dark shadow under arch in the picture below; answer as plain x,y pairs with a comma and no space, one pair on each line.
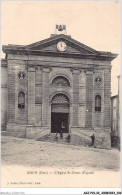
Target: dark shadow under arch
60,113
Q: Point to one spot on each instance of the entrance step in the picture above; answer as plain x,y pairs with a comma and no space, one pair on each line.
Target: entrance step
75,139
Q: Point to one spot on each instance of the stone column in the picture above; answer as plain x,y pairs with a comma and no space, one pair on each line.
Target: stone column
89,98
31,95
45,96
75,103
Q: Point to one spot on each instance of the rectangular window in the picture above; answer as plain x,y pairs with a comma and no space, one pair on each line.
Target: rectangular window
21,100
98,103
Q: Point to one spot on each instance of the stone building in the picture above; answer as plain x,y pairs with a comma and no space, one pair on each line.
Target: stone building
56,83
115,118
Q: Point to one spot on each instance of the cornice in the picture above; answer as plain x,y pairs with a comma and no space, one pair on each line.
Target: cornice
3,63
4,86
101,56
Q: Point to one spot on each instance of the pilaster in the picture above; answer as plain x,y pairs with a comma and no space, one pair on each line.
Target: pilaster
107,97
38,95
82,98
4,94
45,96
75,102
89,98
11,93
31,95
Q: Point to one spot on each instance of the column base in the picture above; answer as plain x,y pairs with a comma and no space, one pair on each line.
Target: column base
27,131
15,130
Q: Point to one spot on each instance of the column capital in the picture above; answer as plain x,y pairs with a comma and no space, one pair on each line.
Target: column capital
38,67
108,68
75,70
31,69
89,71
46,69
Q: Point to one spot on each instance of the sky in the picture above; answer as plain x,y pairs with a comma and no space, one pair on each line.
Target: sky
93,23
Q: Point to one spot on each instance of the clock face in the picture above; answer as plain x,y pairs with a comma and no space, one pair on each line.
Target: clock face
61,46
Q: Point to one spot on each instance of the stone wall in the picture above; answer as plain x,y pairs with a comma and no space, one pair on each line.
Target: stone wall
89,98
38,89
45,97
38,96
82,98
15,130
4,94
102,137
11,92
75,102
98,90
31,95
21,86
107,97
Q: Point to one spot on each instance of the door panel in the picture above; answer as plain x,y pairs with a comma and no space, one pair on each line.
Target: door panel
59,121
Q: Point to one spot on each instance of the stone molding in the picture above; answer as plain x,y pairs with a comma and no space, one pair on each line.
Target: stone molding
82,104
59,92
75,70
4,86
82,87
46,69
4,65
63,75
89,72
38,84
31,69
73,65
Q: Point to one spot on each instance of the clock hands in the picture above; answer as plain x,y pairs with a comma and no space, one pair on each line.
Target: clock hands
61,46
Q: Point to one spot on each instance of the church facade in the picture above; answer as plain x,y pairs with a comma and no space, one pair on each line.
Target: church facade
58,83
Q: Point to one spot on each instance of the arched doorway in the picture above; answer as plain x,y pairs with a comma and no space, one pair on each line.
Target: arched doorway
60,113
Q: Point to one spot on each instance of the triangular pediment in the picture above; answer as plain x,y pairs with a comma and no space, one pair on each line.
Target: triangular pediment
50,45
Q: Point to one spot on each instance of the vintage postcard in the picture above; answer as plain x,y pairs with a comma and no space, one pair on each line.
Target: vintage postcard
60,94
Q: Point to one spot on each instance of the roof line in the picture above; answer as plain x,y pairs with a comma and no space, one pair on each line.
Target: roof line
66,37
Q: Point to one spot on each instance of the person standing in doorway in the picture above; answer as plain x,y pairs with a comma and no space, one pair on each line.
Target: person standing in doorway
61,134
62,129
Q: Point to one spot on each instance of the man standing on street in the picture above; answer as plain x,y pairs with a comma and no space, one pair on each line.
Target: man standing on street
93,140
